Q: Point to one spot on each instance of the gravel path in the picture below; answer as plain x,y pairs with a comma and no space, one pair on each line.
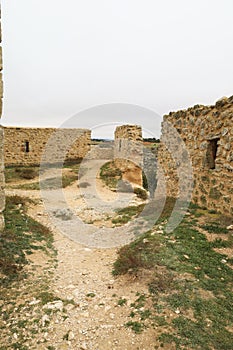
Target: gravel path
94,319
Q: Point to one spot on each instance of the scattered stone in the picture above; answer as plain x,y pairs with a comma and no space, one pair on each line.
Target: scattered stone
87,250
63,214
107,308
45,319
34,302
230,227
83,346
71,336
54,305
70,307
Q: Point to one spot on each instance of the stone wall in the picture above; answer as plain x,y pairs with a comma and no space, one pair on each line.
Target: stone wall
2,195
104,150
128,152
207,134
25,146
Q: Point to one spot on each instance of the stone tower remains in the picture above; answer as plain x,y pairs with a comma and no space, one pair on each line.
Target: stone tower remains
128,152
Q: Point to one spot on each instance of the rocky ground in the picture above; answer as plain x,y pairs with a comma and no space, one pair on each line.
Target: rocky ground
91,307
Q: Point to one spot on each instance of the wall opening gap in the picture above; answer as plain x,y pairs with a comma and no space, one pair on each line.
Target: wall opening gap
27,147
211,153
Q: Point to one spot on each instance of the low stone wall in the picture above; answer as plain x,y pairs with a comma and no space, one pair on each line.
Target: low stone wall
25,146
207,133
128,152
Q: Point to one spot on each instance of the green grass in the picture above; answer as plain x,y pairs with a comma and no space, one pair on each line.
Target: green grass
121,302
189,280
110,174
22,282
14,174
214,228
19,173
137,255
50,184
91,295
124,215
22,236
136,326
141,193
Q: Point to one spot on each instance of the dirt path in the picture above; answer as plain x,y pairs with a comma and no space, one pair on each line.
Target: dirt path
96,317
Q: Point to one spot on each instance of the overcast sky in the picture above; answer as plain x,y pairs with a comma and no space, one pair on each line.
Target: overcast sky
63,57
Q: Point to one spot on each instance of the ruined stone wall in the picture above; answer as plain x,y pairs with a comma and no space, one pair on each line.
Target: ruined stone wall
128,152
104,150
25,146
207,132
2,195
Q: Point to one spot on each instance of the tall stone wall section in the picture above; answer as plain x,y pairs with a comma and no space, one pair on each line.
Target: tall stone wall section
2,194
207,133
128,152
25,146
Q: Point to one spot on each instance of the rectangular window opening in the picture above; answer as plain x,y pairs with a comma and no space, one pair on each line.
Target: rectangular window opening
119,145
27,146
212,152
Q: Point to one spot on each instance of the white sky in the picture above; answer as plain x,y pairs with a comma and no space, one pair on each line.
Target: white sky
63,57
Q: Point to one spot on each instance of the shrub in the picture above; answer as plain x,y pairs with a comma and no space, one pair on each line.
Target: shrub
141,193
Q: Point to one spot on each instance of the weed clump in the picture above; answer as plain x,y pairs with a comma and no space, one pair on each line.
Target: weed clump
141,193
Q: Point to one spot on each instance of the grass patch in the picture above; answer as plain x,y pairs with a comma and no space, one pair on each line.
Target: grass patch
90,295
141,253
190,281
110,174
13,174
46,297
24,287
214,228
124,215
69,179
22,236
140,193
121,302
136,326
49,184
